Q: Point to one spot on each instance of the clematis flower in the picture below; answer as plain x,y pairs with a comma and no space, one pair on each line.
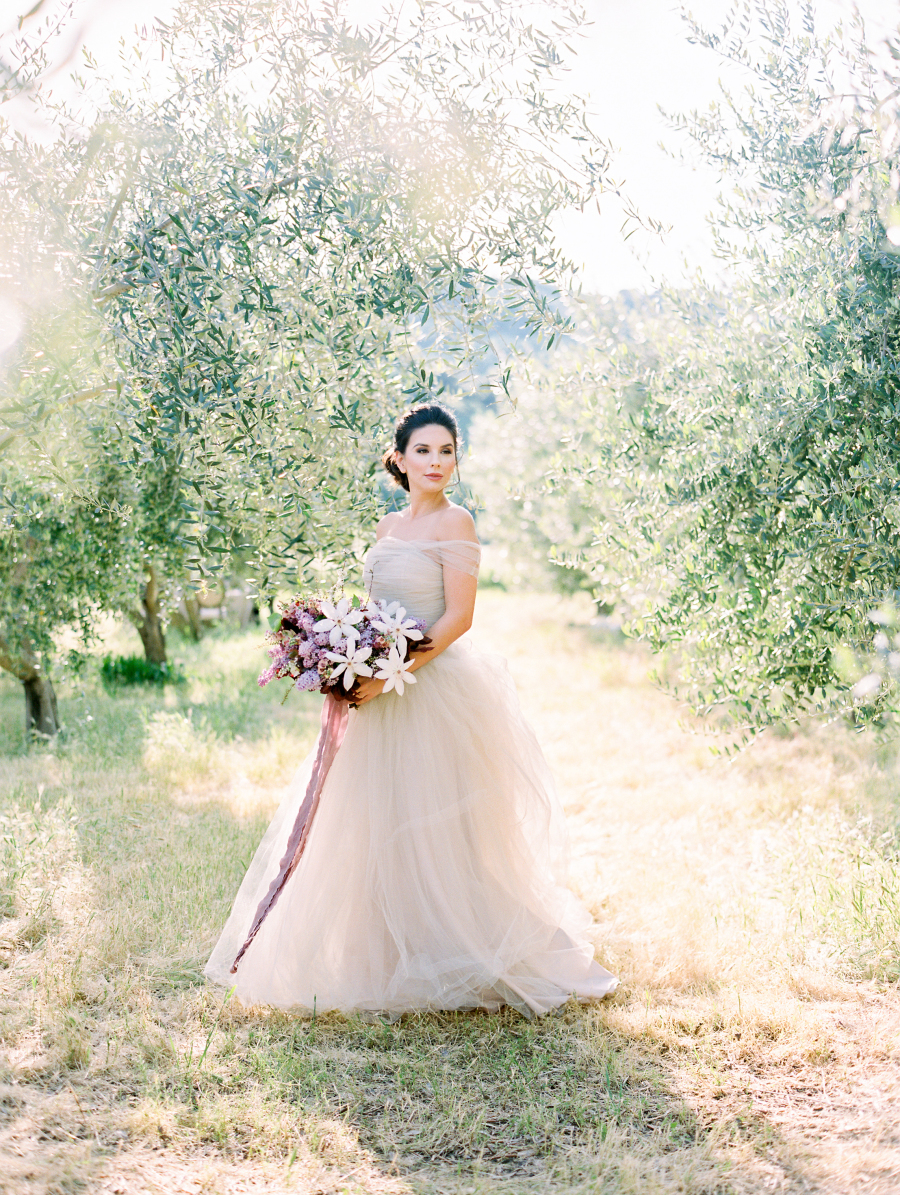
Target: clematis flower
352,663
339,621
391,620
394,671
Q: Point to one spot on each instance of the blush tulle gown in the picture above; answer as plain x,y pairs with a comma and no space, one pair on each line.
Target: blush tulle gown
430,877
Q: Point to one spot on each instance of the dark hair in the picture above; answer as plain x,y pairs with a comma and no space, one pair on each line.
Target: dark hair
415,418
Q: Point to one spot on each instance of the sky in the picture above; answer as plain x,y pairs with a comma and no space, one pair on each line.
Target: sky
634,59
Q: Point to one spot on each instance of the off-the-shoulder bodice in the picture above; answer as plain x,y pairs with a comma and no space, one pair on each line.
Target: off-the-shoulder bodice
411,571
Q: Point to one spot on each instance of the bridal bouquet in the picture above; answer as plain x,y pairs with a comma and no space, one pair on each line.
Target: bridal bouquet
328,646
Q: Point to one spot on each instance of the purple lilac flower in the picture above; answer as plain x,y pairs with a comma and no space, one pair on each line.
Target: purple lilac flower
280,656
323,666
266,676
367,638
322,640
307,622
309,680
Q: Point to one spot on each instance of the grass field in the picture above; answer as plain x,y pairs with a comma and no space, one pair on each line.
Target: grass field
751,908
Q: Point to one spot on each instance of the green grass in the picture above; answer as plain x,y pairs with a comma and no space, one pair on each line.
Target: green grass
750,908
138,670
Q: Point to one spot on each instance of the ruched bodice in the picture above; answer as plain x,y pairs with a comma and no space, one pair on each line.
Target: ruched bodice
411,572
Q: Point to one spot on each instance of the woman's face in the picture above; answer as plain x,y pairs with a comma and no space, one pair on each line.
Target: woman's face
429,458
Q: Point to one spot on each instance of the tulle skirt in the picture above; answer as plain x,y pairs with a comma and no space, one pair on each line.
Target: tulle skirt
432,877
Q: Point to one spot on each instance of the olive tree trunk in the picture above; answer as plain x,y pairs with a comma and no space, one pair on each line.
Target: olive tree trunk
195,623
41,713
146,619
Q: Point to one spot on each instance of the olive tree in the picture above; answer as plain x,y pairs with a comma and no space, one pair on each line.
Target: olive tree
757,496
247,258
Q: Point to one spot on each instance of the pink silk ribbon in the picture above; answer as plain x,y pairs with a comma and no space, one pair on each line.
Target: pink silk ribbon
334,723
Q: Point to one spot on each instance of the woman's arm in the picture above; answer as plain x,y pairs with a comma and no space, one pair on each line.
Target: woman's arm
459,606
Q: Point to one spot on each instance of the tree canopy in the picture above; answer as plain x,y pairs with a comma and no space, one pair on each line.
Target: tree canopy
236,265
765,458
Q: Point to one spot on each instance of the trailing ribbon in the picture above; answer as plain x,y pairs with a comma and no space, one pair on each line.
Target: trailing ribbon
331,735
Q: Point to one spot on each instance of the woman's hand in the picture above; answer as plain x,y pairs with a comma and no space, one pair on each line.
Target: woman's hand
368,687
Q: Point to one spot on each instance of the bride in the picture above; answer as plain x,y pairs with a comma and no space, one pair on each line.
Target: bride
431,875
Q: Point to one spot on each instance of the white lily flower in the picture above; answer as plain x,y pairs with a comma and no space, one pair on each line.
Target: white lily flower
394,671
392,621
352,663
339,621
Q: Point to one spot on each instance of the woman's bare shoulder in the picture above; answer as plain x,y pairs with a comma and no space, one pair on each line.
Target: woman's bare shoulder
384,524
457,523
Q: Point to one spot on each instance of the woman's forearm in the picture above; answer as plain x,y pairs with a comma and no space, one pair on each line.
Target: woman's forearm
448,628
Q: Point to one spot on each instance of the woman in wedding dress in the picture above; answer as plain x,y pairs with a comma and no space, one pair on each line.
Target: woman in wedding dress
431,874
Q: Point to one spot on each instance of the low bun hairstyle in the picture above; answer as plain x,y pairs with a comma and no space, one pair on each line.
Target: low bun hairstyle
415,418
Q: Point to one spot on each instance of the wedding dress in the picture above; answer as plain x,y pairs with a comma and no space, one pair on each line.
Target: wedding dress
431,875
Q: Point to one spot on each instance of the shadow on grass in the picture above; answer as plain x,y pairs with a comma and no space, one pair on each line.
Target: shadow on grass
478,1101
434,1103
483,1093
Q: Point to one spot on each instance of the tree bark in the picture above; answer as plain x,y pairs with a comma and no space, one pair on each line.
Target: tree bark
192,605
41,713
147,620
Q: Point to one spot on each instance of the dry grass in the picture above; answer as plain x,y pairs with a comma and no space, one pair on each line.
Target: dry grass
751,909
